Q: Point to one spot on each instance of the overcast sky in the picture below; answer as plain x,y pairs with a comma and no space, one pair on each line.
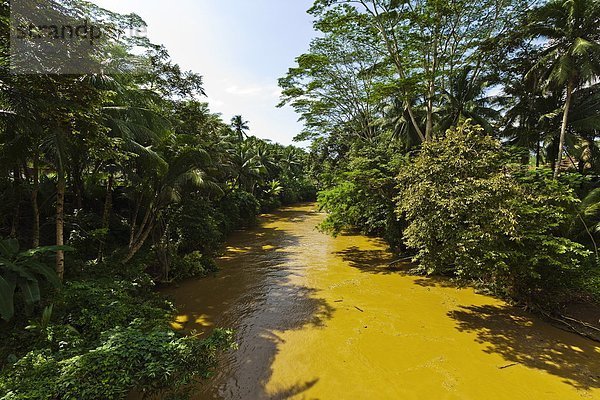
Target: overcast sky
241,47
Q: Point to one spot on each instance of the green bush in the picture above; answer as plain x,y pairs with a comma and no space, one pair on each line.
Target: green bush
269,204
297,189
196,226
192,265
238,209
476,217
100,340
126,359
363,196
93,307
21,273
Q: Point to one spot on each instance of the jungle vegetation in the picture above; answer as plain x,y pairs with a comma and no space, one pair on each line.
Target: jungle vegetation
465,133
111,183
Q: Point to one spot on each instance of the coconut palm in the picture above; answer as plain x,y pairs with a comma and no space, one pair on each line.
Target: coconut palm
247,167
466,99
529,115
186,168
240,127
585,123
131,119
396,119
571,57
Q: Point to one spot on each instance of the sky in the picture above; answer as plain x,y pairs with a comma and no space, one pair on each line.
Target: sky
240,47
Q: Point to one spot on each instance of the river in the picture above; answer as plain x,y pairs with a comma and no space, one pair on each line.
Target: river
319,317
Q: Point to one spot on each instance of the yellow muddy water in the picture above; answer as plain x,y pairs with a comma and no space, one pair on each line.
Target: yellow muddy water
325,318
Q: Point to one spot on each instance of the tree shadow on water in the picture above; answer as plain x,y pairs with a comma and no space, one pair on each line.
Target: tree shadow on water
281,308
259,293
293,391
370,261
533,343
439,281
288,214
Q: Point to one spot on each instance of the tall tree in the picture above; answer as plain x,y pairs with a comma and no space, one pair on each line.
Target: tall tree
240,126
428,41
571,57
338,86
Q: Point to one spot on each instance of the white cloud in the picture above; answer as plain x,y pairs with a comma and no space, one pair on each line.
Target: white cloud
240,48
257,91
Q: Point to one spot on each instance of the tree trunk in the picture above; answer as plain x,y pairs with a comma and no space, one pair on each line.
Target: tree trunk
143,231
35,241
106,215
138,244
163,251
538,151
391,45
563,130
145,222
78,186
14,231
429,122
414,121
431,92
134,219
60,222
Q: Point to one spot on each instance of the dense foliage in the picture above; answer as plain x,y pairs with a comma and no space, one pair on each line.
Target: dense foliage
103,339
465,133
474,214
125,177
362,194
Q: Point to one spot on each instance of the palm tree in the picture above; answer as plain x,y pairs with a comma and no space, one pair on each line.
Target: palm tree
586,225
130,117
571,57
186,168
246,167
240,127
396,119
466,99
266,157
583,128
291,161
528,117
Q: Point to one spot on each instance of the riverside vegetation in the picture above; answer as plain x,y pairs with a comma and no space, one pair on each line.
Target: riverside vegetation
464,133
109,185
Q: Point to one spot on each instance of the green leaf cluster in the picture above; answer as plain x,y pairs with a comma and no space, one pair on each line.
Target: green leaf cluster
23,270
473,215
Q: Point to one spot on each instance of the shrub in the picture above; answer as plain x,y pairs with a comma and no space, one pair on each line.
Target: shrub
104,339
196,226
363,197
239,209
297,189
21,272
475,217
93,307
126,358
192,265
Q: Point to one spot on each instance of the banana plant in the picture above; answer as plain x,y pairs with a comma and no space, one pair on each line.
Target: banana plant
274,188
23,270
